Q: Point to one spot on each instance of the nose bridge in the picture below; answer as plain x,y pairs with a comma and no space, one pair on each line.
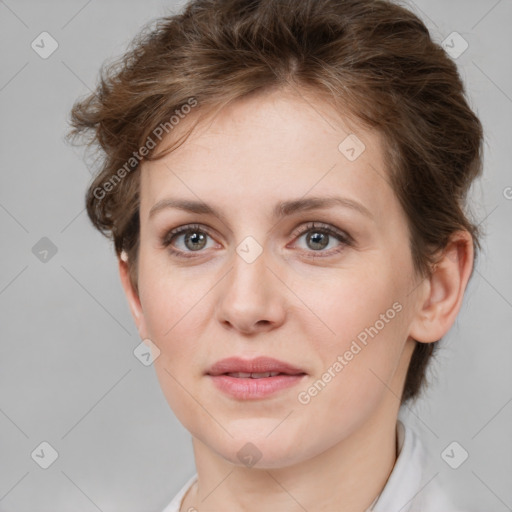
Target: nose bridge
250,266
249,276
250,297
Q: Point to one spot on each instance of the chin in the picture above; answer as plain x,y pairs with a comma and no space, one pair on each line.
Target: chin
253,447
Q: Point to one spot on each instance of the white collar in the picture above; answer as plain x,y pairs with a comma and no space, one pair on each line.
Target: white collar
409,488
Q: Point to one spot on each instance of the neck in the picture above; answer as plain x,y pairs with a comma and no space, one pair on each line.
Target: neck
347,477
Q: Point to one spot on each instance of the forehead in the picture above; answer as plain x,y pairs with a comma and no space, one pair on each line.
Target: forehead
267,148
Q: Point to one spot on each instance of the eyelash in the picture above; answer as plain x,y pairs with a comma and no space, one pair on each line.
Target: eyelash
342,237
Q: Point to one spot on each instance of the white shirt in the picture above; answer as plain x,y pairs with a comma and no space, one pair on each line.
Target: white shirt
406,489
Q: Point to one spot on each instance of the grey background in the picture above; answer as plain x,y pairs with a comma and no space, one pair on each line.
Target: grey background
68,375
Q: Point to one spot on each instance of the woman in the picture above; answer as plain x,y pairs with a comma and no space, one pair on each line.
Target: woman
285,183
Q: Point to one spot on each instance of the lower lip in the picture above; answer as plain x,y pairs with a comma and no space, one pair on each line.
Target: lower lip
247,389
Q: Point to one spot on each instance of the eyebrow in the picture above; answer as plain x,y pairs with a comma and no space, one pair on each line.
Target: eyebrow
281,209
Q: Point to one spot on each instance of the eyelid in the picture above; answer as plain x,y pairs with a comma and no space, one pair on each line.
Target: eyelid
321,226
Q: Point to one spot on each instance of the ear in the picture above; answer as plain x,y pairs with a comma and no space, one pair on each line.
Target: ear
132,296
443,292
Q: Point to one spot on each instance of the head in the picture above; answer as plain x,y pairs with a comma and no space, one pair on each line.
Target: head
242,107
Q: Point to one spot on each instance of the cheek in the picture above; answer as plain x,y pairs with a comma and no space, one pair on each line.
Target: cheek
355,373
172,302
350,304
177,311
174,314
358,336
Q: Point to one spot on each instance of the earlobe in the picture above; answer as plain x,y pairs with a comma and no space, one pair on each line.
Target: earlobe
444,290
131,296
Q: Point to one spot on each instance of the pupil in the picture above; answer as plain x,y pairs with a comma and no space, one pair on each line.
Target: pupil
195,238
316,238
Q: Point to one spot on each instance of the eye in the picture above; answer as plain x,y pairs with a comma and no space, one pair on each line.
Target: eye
193,238
319,236
186,240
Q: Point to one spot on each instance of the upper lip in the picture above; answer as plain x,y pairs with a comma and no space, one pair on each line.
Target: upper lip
256,365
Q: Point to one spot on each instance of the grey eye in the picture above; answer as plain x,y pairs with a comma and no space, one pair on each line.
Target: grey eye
317,240
195,240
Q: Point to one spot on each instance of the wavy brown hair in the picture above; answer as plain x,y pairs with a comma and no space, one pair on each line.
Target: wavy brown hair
372,59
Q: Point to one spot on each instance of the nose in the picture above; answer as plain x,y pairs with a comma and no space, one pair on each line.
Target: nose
252,298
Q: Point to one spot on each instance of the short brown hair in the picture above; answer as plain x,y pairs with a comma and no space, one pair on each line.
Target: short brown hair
371,58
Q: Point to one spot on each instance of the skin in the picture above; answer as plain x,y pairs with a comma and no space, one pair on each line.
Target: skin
337,451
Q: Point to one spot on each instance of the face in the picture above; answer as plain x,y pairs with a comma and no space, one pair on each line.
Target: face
323,287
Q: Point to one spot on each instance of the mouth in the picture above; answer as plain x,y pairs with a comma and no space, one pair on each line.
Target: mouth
259,367
263,375
255,378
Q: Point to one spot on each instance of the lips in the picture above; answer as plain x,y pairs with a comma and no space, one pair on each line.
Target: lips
253,379
259,367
